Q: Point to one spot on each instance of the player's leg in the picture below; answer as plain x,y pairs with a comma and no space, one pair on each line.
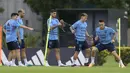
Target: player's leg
88,54
111,48
99,47
77,50
48,53
18,53
118,58
11,55
50,46
23,52
87,49
75,57
57,52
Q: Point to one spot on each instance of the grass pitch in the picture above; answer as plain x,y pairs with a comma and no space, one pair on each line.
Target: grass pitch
110,67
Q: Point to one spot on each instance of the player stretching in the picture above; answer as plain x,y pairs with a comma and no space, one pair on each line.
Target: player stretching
53,42
79,28
106,37
10,29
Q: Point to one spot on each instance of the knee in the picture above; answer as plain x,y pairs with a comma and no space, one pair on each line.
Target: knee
94,49
57,50
88,49
23,50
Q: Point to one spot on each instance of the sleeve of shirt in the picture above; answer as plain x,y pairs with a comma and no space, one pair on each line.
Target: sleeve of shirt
96,31
20,21
49,24
74,26
112,31
15,23
4,26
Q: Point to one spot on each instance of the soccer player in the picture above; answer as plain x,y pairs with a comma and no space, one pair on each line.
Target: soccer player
53,42
21,36
106,37
79,29
10,29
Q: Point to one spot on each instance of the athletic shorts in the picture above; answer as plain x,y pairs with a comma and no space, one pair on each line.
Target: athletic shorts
81,45
52,44
22,44
110,47
13,45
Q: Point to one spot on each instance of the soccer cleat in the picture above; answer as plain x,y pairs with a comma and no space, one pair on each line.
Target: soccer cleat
86,64
74,65
13,64
21,65
61,65
26,64
7,64
122,66
91,65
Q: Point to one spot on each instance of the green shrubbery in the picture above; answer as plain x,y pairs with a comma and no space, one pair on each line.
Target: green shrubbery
125,55
102,57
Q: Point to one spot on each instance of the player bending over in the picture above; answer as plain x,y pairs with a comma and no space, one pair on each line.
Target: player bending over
106,37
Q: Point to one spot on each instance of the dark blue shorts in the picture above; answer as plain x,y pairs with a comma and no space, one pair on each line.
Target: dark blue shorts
52,44
13,45
22,44
110,47
81,45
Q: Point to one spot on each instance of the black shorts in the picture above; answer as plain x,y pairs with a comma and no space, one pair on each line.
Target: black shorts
81,45
52,44
22,44
13,45
110,47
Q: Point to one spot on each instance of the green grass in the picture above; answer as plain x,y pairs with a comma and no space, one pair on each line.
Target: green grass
109,67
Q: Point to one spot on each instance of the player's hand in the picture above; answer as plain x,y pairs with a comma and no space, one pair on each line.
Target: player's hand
30,28
62,21
113,41
73,31
90,38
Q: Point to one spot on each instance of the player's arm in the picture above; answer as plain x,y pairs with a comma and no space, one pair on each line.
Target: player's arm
18,35
96,38
4,30
113,33
73,27
20,24
53,26
26,27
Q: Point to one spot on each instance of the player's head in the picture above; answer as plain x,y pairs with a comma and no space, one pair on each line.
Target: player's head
101,24
83,17
53,13
21,13
14,16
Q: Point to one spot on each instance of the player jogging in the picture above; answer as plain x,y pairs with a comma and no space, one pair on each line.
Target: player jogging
79,29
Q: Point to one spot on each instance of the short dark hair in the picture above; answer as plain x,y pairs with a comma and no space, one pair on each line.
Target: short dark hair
101,20
53,10
83,14
14,14
19,11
